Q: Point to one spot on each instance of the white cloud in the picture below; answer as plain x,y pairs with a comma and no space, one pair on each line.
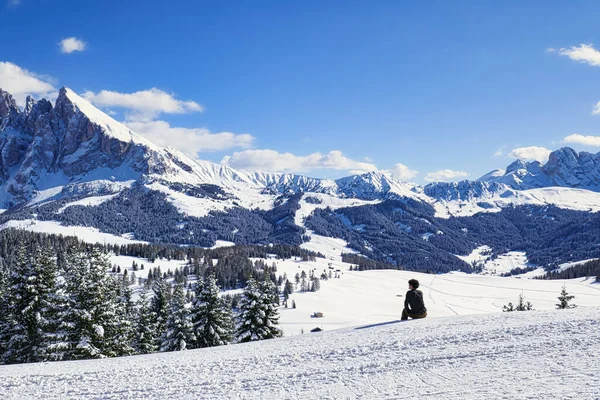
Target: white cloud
189,140
402,172
143,105
499,152
531,153
445,175
69,45
585,53
596,109
19,82
273,161
581,139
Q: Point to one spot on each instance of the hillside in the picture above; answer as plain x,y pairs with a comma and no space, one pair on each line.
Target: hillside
530,355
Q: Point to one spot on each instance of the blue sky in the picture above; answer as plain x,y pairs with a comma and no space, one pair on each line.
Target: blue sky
448,89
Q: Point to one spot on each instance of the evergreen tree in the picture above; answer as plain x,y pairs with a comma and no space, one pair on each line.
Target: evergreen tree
564,299
96,315
120,330
160,304
211,316
179,328
521,305
32,308
5,317
258,318
54,343
146,337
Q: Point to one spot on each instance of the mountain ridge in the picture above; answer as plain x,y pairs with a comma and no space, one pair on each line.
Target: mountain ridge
71,163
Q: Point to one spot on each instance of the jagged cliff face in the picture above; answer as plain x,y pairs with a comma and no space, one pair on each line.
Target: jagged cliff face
565,168
68,141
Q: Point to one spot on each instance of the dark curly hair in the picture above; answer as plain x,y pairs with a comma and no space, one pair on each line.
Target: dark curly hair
414,283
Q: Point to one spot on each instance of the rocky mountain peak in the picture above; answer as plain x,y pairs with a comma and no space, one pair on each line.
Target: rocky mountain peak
8,108
564,168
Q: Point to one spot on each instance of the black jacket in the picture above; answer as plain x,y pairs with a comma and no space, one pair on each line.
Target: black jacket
413,302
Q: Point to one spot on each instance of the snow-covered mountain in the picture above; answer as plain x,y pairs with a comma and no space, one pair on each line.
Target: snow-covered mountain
72,149
70,163
70,144
565,168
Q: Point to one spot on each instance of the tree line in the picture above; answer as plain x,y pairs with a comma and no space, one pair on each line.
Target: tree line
51,311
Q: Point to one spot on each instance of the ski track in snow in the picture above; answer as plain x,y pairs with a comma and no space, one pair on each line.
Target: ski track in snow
521,355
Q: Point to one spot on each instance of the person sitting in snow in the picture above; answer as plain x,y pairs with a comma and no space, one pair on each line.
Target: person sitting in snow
414,306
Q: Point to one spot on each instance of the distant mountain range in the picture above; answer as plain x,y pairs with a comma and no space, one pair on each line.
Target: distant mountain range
72,163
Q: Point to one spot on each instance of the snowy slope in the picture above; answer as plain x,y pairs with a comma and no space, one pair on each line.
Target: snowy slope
84,233
567,198
361,297
528,355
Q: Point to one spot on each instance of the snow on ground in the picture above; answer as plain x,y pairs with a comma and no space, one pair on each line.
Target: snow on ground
126,262
521,355
222,243
89,201
332,248
505,263
480,254
85,233
568,198
361,297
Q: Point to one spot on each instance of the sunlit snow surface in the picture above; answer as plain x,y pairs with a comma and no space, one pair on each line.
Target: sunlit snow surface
527,355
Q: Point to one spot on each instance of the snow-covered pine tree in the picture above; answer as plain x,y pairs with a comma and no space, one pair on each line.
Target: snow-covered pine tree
119,330
95,313
146,337
17,347
258,317
179,329
564,299
4,313
32,306
53,343
159,304
211,316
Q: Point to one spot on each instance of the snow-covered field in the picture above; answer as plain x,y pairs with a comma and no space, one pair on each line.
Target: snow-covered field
363,297
522,355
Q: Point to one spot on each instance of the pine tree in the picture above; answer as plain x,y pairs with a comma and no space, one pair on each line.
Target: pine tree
564,299
258,318
146,337
120,330
521,305
96,315
179,328
53,345
211,317
160,304
33,308
5,317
